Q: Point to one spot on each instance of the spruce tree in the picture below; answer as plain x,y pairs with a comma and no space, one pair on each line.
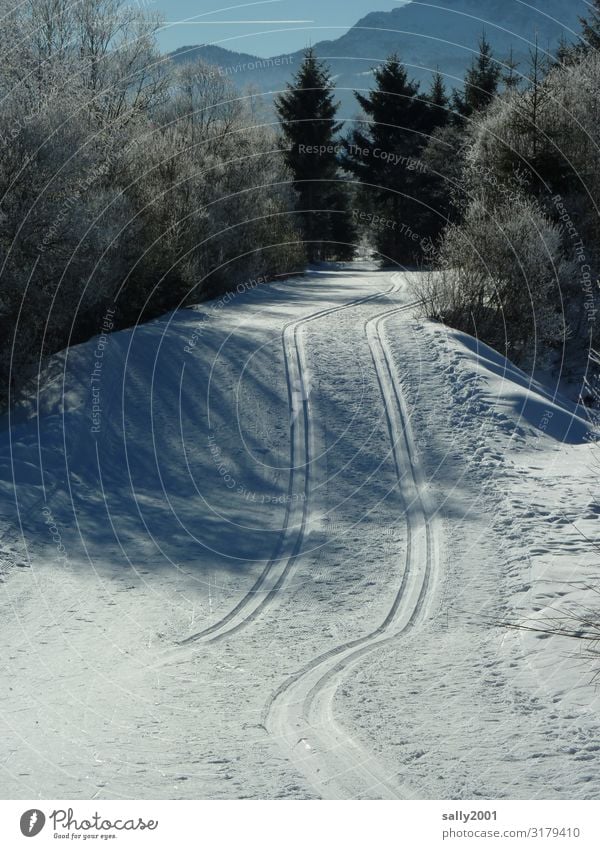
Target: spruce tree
591,27
546,163
307,111
481,82
510,77
538,69
383,154
434,189
568,54
438,103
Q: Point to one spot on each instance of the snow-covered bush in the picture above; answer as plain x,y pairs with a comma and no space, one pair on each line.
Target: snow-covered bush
519,267
500,276
546,141
123,181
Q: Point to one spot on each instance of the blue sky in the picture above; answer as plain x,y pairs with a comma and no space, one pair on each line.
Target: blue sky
258,27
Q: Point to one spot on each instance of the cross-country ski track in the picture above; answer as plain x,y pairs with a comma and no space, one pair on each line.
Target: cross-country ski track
271,579
300,712
280,566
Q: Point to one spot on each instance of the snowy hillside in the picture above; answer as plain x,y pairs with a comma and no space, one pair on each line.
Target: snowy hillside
269,548
426,36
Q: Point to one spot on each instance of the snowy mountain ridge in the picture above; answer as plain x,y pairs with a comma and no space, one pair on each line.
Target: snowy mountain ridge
427,36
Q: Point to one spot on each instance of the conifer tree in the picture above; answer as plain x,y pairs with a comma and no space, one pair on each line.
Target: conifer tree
438,103
546,162
307,111
567,53
591,27
434,189
510,77
481,82
538,68
383,154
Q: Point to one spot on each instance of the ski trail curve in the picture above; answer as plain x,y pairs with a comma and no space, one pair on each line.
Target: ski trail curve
289,545
300,712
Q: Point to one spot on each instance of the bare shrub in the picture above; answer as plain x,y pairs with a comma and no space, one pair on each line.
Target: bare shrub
499,277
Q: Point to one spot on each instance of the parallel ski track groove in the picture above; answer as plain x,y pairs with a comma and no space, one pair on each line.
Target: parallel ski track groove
352,651
276,556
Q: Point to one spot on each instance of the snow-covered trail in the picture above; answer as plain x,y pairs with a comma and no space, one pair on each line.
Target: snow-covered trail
302,457
300,712
270,572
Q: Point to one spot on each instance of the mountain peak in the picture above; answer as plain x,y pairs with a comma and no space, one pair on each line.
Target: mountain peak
440,34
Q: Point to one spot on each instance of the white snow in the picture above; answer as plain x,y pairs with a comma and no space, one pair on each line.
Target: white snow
283,565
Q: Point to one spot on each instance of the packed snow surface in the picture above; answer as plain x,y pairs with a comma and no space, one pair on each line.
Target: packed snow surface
272,548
